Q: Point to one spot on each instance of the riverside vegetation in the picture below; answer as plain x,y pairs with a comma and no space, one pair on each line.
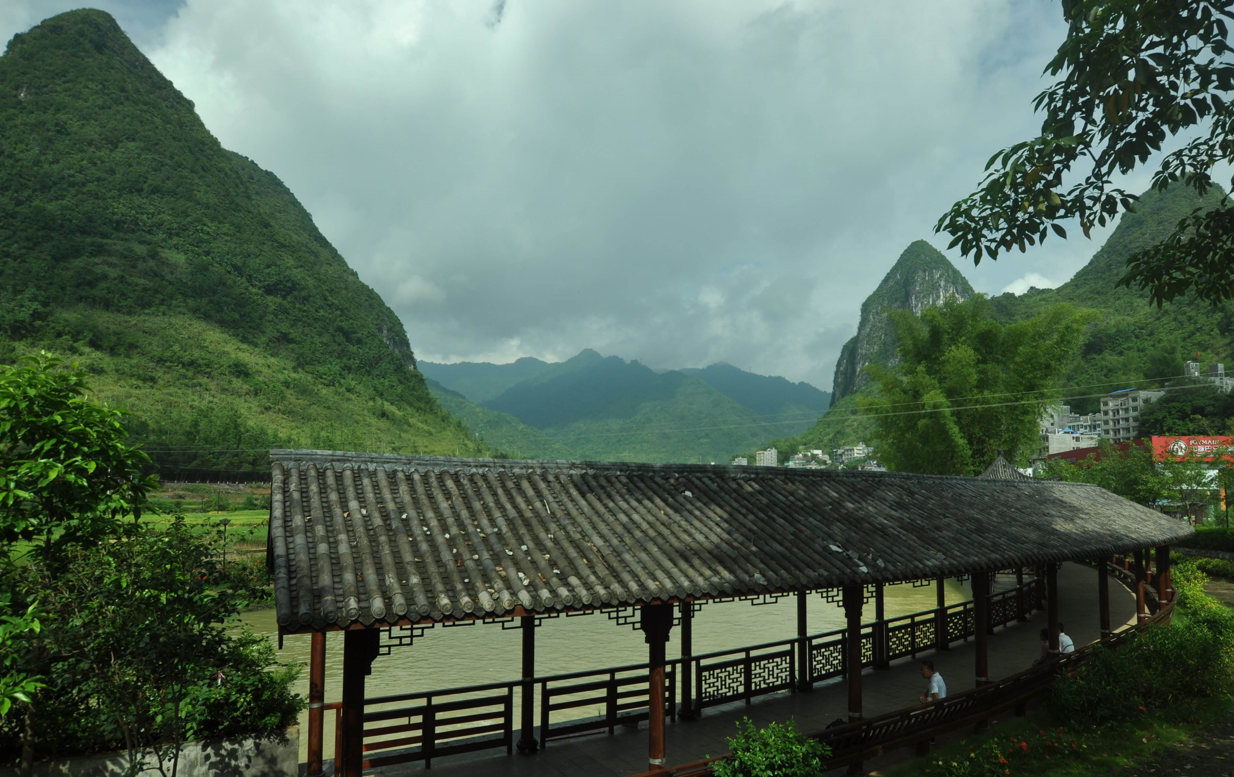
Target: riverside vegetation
131,648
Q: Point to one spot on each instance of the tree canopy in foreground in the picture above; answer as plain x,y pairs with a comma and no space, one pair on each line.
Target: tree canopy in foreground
967,386
1130,75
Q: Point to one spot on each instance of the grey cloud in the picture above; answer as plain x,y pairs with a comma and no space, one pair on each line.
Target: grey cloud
674,182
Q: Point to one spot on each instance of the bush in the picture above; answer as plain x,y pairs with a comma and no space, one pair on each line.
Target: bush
1215,567
777,750
1211,538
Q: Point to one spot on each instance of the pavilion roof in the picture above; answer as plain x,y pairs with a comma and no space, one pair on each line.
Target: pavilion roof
378,539
1002,469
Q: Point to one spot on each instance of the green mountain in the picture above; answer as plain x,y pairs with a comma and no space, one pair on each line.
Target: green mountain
921,278
1132,342
188,279
769,396
596,407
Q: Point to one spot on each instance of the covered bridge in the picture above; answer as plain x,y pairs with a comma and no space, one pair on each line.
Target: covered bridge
362,542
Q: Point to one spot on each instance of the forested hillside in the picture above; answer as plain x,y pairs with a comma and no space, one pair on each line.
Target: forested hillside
188,279
596,407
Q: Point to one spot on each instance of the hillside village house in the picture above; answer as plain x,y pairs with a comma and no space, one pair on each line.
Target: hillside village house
1120,413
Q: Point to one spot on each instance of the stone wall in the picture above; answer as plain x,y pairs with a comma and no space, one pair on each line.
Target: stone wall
215,758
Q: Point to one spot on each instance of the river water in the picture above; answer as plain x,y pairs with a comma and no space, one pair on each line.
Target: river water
484,653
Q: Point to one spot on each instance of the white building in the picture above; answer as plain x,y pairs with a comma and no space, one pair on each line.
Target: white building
1215,374
740,461
767,458
1058,442
1120,413
846,454
1059,419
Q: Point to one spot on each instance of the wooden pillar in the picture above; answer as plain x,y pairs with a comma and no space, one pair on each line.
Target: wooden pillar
1051,605
1040,587
686,675
1163,574
853,595
1103,596
1141,605
881,648
656,622
527,743
981,625
316,698
803,644
359,649
940,616
1021,601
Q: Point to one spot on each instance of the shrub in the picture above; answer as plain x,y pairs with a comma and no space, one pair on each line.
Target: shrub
1216,567
777,750
1211,538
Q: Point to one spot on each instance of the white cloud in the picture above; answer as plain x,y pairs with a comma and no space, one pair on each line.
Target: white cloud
675,182
1028,281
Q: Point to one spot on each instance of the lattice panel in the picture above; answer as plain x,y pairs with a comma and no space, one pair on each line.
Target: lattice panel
959,625
1003,611
924,582
762,599
771,672
826,660
900,640
404,638
867,649
925,634
721,683
836,595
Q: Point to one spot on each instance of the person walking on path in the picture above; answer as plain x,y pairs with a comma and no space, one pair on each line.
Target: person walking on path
1065,645
937,689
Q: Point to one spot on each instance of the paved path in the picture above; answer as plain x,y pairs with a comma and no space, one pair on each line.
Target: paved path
1011,650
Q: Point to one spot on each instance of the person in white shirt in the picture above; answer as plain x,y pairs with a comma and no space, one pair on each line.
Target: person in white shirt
937,688
1065,645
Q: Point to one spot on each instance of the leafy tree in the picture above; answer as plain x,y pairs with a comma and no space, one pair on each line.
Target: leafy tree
138,655
967,386
1129,74
15,686
1130,472
1188,408
67,473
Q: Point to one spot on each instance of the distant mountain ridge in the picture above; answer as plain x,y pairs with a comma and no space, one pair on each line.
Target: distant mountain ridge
921,278
601,407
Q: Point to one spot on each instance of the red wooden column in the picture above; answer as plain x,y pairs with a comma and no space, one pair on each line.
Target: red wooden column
686,675
981,625
527,743
940,617
1141,605
1051,605
317,698
1163,574
360,647
1103,595
656,622
852,597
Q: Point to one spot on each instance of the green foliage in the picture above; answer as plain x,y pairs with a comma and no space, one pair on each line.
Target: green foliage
121,217
1215,567
133,644
1132,473
842,424
67,472
1188,409
1211,538
1027,751
777,750
1129,74
16,686
968,386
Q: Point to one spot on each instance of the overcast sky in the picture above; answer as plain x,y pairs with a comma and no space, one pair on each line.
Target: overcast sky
676,182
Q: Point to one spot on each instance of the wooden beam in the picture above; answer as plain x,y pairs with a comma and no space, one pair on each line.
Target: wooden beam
360,647
316,698
657,621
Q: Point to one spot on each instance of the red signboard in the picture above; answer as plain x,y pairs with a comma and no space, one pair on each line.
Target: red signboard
1195,447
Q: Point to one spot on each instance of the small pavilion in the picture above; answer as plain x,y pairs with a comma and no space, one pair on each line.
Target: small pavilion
365,543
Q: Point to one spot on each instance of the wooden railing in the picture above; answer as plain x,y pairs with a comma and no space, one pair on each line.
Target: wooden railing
422,726
911,726
621,692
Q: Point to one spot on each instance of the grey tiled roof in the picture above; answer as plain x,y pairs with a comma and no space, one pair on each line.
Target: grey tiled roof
1002,469
365,538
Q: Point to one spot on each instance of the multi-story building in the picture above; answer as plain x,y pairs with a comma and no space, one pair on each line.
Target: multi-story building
1215,374
767,458
1059,418
846,454
1067,440
1120,413
741,461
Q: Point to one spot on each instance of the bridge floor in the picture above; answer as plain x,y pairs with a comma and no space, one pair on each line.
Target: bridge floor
1010,650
